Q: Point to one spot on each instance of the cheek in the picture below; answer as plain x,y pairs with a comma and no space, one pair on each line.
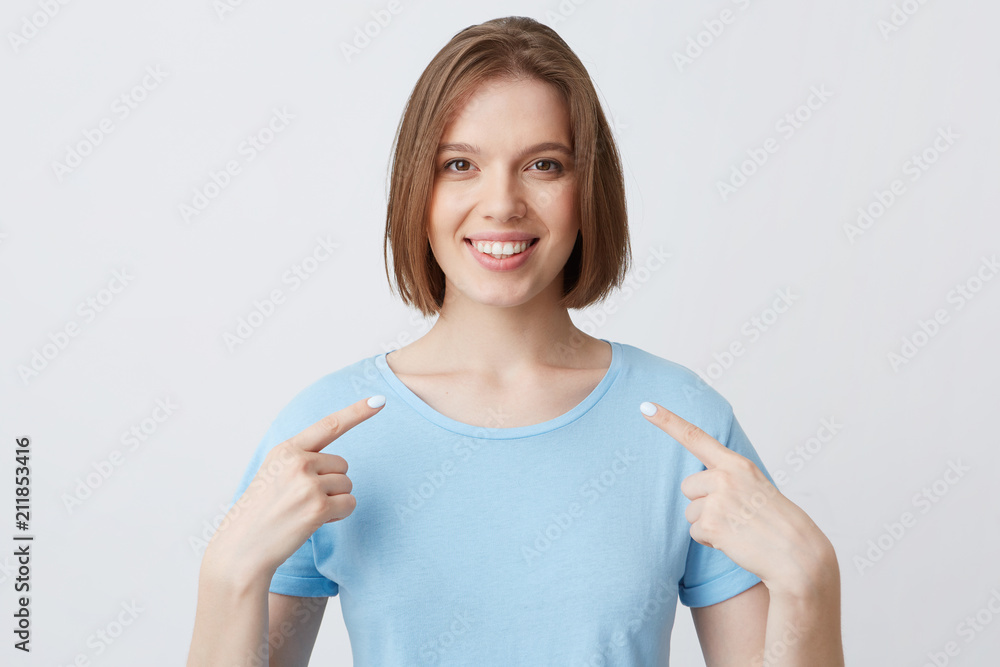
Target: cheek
438,218
444,207
564,211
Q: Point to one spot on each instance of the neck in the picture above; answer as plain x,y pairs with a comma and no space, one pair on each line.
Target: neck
504,340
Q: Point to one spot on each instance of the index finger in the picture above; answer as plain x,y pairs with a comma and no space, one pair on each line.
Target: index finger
705,448
317,436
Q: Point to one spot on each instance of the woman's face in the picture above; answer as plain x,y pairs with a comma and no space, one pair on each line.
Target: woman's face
494,180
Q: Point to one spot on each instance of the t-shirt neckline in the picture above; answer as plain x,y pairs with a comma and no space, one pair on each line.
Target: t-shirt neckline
501,433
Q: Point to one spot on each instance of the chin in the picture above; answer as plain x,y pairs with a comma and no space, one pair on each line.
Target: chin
497,298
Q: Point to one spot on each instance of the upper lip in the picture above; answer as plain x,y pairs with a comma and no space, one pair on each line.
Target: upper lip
504,237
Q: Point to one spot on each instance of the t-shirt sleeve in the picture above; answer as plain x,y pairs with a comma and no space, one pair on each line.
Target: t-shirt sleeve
709,575
298,574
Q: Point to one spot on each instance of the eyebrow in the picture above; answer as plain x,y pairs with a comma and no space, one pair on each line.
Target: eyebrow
462,147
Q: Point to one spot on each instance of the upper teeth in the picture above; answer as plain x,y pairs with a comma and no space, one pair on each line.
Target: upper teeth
498,249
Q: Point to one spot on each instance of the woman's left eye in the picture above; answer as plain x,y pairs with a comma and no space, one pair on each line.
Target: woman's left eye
456,161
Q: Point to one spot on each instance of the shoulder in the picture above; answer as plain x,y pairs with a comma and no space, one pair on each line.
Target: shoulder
331,392
677,388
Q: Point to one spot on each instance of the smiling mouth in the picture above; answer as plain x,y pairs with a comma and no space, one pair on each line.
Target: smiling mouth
497,249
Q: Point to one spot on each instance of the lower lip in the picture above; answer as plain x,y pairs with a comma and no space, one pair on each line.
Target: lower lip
493,264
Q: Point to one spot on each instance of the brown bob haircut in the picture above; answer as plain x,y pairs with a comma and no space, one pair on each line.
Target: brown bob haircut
513,47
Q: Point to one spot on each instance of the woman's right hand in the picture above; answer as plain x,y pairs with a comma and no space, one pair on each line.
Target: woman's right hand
296,490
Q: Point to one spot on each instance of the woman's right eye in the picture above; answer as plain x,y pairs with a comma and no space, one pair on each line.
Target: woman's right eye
456,161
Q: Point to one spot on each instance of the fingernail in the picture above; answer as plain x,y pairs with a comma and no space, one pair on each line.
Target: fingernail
647,408
376,401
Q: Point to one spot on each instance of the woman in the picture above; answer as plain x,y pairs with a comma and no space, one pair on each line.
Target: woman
508,502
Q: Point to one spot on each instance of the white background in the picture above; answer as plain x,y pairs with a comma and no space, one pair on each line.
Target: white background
682,130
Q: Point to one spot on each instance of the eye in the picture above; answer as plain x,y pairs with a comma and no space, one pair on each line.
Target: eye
456,161
555,165
463,165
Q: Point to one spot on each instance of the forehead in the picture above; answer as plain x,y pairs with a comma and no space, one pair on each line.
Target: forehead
504,110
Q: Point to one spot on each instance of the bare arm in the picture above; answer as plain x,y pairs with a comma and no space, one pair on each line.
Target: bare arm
231,619
297,489
736,509
293,625
803,623
787,628
731,632
239,622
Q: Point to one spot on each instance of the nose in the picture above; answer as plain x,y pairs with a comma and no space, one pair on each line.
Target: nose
503,197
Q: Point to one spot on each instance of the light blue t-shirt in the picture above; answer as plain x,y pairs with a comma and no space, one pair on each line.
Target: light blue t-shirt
559,543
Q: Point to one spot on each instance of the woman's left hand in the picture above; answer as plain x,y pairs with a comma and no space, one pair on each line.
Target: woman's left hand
735,509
